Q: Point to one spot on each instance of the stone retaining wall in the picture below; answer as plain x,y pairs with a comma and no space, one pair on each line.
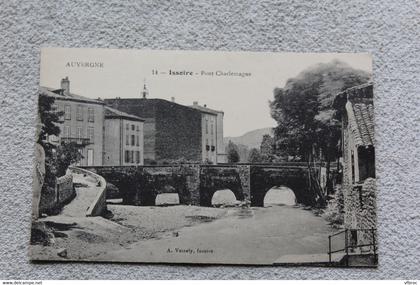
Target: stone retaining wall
53,199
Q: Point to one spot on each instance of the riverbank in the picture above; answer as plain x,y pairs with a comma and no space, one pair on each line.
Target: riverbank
86,238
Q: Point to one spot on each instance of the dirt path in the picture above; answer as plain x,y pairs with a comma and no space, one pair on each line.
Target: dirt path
86,191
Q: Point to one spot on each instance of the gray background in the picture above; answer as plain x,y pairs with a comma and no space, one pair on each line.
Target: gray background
388,29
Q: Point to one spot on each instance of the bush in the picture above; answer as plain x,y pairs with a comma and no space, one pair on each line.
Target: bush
334,212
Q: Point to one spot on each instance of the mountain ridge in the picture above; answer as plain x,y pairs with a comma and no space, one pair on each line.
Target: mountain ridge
251,139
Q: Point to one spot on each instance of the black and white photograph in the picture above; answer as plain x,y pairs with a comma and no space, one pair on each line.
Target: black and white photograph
200,157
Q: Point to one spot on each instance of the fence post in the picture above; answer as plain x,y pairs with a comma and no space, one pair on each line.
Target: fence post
346,245
329,248
374,245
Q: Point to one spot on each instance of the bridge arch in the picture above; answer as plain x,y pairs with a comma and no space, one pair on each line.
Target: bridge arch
295,178
223,197
159,184
167,199
279,196
213,179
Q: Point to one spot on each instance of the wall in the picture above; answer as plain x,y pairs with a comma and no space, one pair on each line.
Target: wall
112,143
128,133
178,132
171,130
221,150
359,195
53,199
73,123
209,138
65,189
145,109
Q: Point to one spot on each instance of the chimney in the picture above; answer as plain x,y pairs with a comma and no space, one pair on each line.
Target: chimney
195,103
65,85
205,105
173,99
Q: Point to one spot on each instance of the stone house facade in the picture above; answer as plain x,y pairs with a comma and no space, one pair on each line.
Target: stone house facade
82,122
358,151
213,149
123,143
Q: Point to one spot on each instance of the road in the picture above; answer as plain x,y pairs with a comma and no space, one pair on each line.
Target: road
242,236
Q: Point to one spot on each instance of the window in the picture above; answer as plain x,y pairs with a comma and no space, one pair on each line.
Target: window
67,112
79,132
132,127
137,157
80,150
91,134
91,115
79,113
137,140
90,157
207,126
133,140
132,156
67,131
126,156
127,127
137,128
127,139
207,145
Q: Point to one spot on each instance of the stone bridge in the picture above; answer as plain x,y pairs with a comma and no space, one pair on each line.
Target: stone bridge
196,183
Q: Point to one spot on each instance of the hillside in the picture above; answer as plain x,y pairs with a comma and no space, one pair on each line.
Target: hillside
251,139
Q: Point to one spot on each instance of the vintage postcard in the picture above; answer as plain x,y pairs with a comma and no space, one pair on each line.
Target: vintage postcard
205,158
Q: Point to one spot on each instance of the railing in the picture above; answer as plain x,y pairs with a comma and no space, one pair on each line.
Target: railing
372,245
80,141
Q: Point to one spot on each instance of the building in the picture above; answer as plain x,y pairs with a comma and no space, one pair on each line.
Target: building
213,148
171,131
82,122
105,136
358,151
123,143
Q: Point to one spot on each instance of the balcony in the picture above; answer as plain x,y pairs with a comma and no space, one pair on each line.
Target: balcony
78,141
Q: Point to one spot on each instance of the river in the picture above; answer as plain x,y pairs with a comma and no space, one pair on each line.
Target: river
242,236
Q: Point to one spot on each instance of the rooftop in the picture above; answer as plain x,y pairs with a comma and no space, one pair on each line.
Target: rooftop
60,94
112,113
360,113
204,109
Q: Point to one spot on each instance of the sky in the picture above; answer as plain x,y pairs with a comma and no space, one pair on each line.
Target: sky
188,76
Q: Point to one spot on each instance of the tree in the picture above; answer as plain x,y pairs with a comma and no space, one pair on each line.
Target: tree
66,155
49,118
254,156
232,153
266,148
57,157
307,128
